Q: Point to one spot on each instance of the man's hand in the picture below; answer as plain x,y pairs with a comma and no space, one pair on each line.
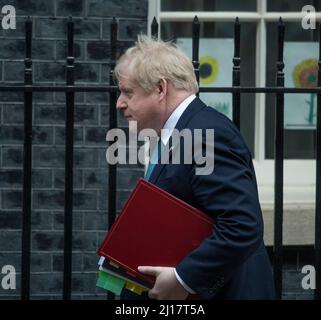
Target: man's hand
166,286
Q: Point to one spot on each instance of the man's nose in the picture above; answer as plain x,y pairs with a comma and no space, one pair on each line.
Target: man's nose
121,104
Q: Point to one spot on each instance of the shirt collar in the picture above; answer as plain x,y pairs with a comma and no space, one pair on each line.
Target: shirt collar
174,117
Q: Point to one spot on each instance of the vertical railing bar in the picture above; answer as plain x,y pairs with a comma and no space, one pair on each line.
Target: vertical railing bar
278,168
27,168
154,28
112,168
69,150
195,48
236,73
317,292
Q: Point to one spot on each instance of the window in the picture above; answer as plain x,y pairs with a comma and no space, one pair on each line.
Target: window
299,137
208,5
291,5
258,65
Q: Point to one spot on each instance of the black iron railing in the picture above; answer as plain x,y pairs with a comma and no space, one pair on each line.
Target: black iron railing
69,158
278,166
236,89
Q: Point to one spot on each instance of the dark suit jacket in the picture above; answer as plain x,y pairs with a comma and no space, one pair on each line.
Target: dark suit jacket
233,262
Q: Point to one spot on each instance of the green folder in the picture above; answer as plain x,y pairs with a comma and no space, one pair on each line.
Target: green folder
110,282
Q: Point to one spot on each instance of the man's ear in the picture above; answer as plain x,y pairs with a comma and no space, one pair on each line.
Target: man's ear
162,89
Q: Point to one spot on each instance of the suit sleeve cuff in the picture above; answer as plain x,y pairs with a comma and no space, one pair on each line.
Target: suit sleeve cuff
185,286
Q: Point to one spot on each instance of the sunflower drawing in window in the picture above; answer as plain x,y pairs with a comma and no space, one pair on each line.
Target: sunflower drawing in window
208,72
209,68
305,75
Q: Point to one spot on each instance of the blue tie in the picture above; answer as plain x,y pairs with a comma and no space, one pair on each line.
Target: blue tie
154,158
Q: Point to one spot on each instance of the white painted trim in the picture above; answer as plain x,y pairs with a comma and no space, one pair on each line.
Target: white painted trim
299,181
260,75
261,6
288,16
231,15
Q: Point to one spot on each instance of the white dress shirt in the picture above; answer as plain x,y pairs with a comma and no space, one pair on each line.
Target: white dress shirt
173,119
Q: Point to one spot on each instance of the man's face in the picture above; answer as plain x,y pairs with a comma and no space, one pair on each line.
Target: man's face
137,105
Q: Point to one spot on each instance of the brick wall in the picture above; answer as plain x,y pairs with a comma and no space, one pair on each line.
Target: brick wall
294,259
92,31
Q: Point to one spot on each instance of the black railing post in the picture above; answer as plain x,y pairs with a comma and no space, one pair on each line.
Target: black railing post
278,168
154,28
317,293
236,73
27,169
195,46
69,153
112,168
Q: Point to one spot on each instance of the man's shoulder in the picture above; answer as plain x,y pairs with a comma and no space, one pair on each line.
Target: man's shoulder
225,130
209,118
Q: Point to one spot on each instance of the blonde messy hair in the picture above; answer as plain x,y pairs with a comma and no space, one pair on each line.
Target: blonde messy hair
152,60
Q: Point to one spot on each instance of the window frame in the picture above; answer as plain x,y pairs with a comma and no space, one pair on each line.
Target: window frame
299,175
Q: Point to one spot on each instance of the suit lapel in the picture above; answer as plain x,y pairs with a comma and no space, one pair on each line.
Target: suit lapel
194,107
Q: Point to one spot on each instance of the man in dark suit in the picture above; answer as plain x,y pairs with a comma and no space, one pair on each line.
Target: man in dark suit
158,87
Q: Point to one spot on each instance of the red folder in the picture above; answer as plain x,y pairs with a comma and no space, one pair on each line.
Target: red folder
154,229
